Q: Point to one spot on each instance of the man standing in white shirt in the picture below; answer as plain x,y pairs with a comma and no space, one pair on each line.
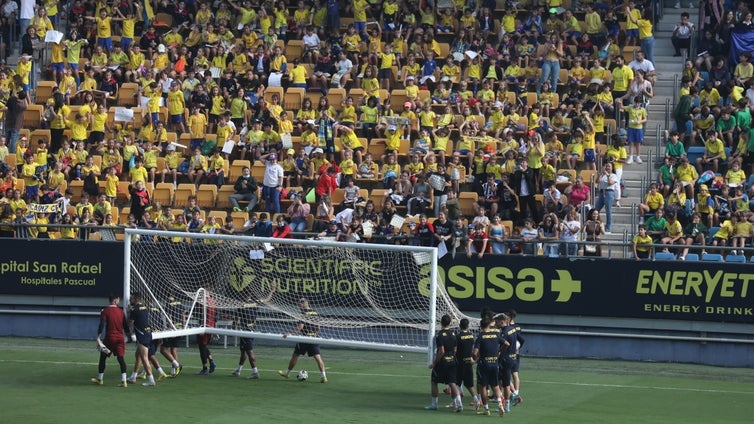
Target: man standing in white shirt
273,183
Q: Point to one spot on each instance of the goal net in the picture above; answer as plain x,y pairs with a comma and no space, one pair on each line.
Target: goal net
365,295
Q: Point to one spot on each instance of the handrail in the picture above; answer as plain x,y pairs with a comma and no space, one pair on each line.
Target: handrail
609,246
660,142
634,222
676,89
667,113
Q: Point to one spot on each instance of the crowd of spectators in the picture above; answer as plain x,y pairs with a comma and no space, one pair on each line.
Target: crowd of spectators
429,104
701,196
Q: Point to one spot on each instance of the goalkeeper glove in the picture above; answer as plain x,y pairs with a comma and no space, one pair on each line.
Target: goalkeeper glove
133,338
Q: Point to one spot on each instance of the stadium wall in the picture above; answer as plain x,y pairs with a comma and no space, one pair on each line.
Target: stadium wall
570,307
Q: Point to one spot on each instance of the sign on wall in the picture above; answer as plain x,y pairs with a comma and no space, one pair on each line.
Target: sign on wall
61,268
695,291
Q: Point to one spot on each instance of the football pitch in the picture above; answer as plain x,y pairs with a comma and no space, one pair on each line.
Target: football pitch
47,381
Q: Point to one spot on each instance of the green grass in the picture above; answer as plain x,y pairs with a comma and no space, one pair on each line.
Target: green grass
47,381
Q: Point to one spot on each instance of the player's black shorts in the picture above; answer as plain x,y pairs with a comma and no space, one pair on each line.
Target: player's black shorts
465,374
516,363
506,364
153,346
306,349
143,337
246,343
170,342
445,371
487,373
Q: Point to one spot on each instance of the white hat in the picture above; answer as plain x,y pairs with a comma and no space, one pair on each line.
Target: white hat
318,150
392,128
498,104
310,121
161,48
171,147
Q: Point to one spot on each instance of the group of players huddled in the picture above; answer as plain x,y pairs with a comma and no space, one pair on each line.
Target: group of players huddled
141,321
494,350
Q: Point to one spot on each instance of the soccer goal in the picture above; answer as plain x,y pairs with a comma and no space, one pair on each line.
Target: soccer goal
370,296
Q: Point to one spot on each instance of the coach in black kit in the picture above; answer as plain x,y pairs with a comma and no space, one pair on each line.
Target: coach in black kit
444,365
465,360
487,348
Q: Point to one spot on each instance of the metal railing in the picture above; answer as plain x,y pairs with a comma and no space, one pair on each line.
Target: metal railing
609,249
667,113
660,142
676,89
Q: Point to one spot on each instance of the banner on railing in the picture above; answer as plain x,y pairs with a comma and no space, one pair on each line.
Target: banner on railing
693,291
61,268
45,208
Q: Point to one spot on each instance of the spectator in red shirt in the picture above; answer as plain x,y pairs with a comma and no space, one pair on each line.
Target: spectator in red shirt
282,229
327,183
478,241
424,232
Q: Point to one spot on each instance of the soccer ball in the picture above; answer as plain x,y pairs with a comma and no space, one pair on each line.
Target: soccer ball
302,375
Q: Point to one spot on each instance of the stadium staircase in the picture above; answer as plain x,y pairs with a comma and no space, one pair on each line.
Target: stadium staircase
637,177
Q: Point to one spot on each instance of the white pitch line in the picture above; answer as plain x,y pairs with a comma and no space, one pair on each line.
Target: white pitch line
554,383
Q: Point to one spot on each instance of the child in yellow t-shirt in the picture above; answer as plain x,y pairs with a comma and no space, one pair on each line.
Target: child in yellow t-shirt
743,231
642,244
111,184
726,231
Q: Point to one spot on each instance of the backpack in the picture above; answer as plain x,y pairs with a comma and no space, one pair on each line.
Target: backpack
90,185
183,168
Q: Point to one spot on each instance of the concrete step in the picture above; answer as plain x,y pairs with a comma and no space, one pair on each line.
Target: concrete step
666,69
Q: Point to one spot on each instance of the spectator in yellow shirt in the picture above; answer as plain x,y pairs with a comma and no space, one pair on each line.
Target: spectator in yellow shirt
138,172
150,160
57,60
714,152
79,129
23,69
104,29
654,200
176,107
172,160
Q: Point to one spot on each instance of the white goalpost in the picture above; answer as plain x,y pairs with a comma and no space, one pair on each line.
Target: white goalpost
370,296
